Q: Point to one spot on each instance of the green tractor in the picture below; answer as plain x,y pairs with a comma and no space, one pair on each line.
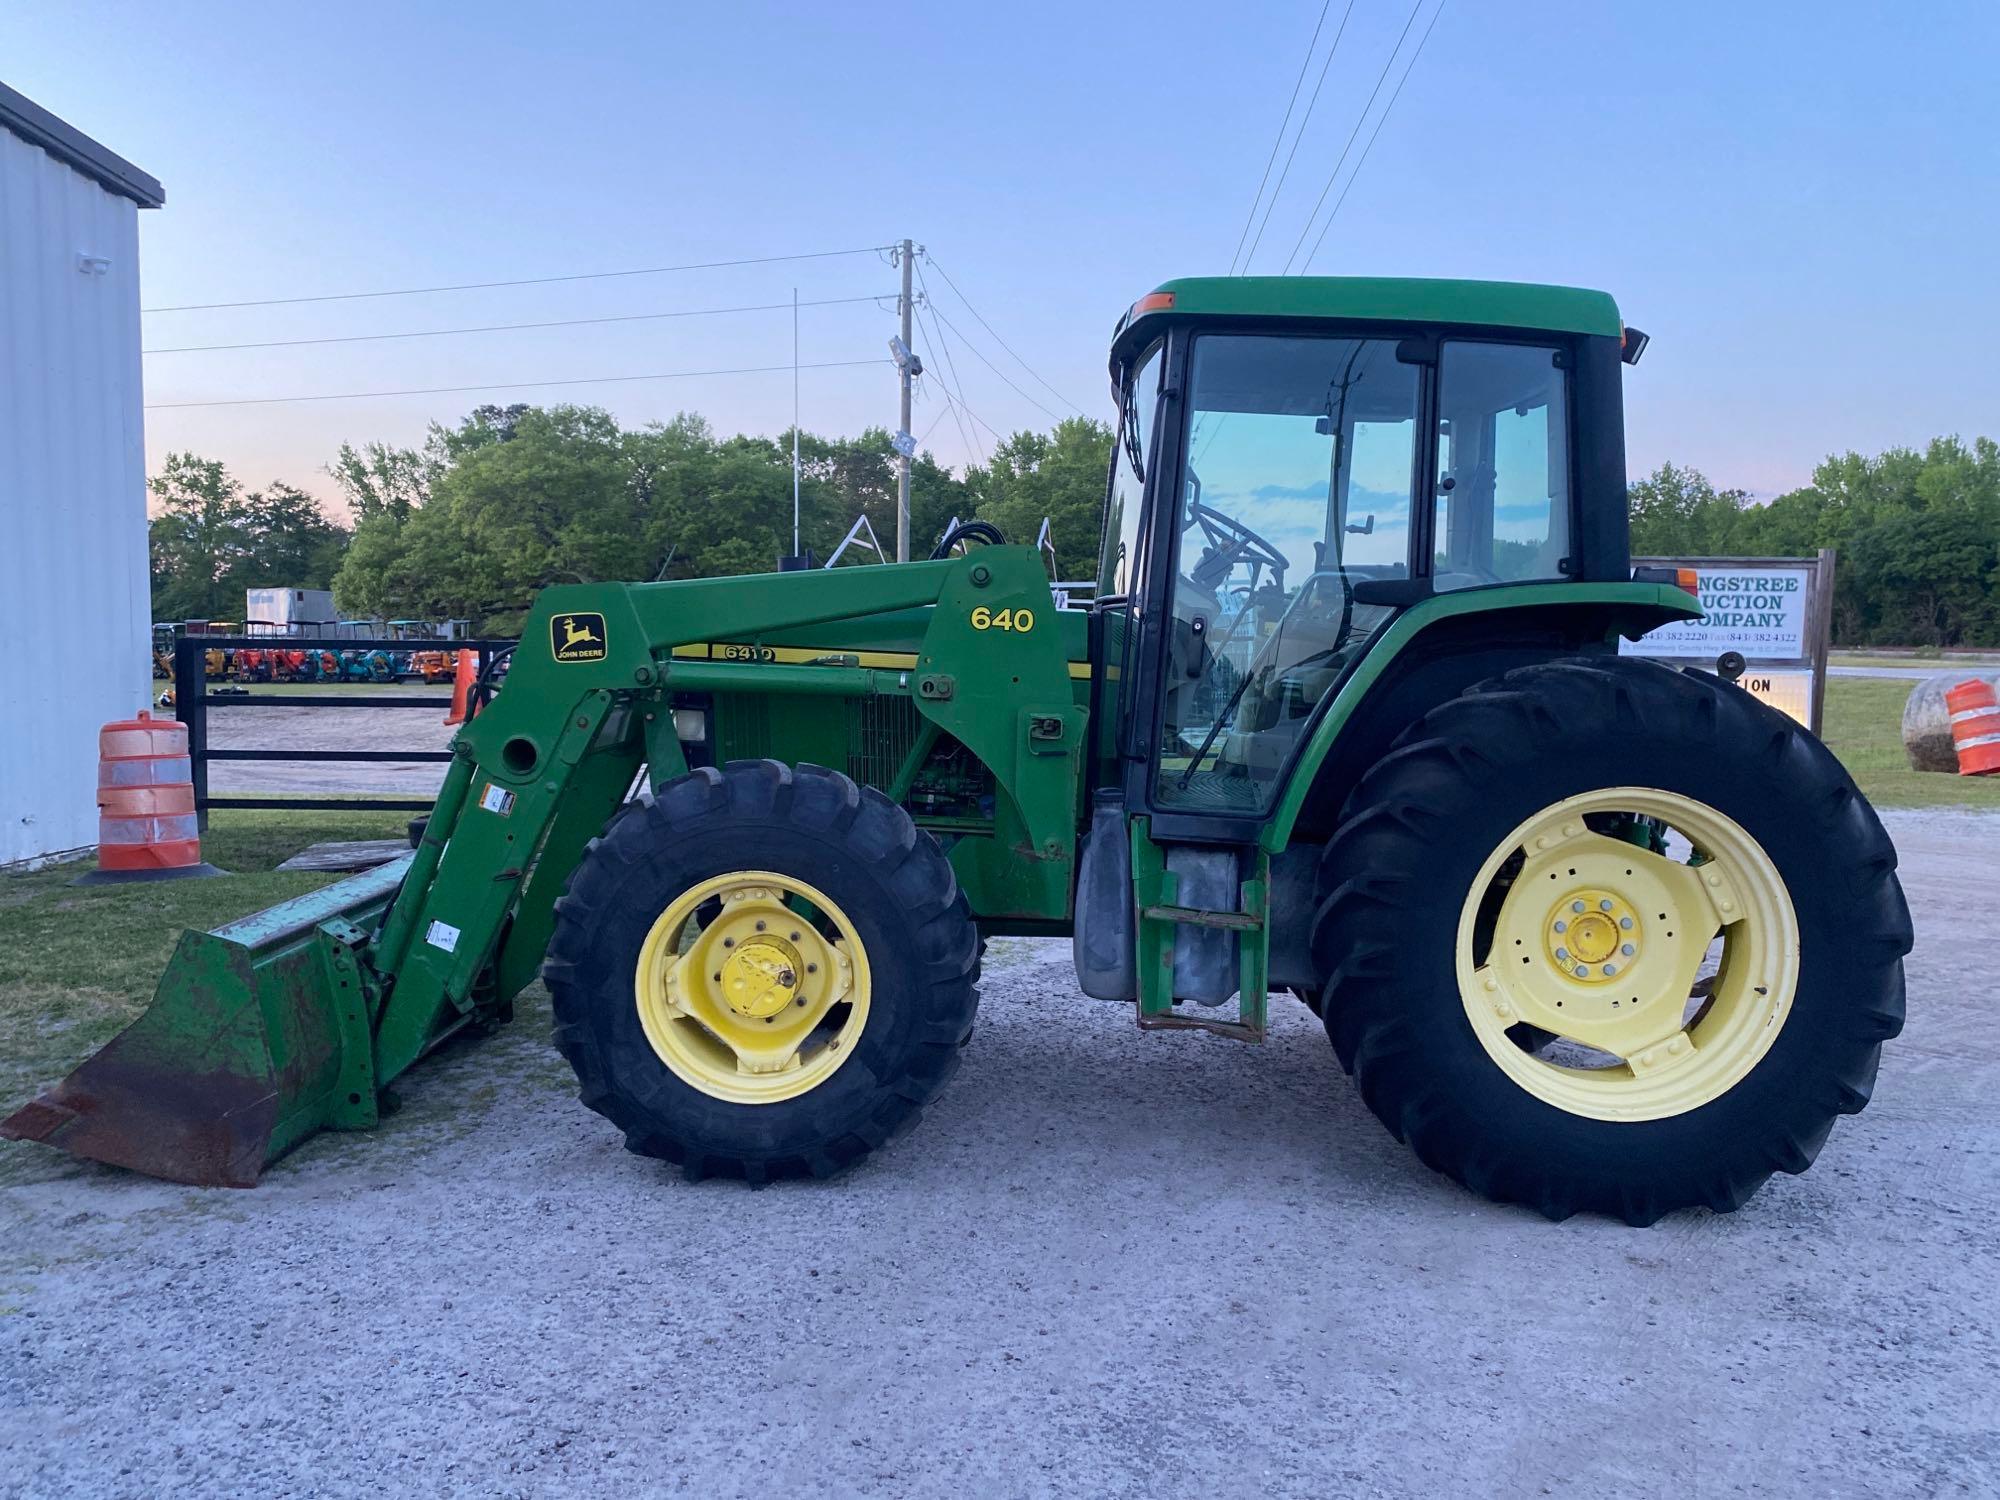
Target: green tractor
1347,721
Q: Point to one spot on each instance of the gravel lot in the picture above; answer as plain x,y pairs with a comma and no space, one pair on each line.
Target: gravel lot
335,728
1105,1262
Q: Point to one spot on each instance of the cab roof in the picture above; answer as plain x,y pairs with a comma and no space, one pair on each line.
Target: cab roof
1396,299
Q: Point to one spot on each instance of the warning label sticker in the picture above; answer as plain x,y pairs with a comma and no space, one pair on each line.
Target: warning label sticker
442,935
497,800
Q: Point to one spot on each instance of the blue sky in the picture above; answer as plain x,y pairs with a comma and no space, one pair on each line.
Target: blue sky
1796,200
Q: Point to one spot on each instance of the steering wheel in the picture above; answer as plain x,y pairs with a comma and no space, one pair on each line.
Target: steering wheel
967,531
1229,541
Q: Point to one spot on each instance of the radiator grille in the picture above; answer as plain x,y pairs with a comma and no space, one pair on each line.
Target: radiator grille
880,732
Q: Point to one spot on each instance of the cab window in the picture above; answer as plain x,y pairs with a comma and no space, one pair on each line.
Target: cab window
1117,564
1503,495
1298,484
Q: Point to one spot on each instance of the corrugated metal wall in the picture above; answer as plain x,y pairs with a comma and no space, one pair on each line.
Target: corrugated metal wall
74,612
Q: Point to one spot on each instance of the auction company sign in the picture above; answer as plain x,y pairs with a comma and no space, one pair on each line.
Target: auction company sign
1760,612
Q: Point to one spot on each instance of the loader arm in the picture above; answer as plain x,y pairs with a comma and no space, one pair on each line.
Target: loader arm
262,1033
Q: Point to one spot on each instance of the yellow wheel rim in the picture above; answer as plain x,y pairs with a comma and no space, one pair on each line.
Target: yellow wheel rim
1605,943
753,987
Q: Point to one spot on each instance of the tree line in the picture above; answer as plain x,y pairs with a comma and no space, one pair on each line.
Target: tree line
1917,536
485,513
473,523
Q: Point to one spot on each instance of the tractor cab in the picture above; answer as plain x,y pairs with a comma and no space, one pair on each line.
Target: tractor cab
1299,461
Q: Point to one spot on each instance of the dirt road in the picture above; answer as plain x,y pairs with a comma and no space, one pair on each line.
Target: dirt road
1105,1263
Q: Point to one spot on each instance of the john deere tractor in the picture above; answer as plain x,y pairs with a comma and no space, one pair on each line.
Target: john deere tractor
1347,721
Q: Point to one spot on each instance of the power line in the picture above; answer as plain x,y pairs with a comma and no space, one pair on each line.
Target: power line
934,336
950,409
1304,120
947,322
1304,63
438,333
951,362
1381,78
1002,342
1393,97
974,416
453,390
934,424
480,286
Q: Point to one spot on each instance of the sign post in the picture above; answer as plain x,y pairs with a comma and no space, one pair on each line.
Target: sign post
1774,612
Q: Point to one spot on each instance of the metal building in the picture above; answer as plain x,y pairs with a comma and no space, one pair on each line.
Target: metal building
74,595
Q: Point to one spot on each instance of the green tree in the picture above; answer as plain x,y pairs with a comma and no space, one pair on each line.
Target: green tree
1676,512
1916,534
209,540
1058,476
195,540
290,542
378,479
1921,578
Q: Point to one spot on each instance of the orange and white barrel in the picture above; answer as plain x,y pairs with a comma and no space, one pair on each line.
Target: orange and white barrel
465,677
1975,726
146,823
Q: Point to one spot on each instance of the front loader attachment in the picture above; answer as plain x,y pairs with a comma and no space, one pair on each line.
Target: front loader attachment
258,1035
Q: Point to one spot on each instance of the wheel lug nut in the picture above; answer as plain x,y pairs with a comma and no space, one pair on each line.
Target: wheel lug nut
1628,950
1626,923
1576,906
1562,927
1604,905
1563,954
1609,970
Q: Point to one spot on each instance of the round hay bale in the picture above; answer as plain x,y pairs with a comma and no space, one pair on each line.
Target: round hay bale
1927,723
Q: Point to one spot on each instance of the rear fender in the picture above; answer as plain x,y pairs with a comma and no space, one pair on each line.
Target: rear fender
1436,649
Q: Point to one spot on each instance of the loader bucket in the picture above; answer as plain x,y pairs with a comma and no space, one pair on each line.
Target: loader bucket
258,1035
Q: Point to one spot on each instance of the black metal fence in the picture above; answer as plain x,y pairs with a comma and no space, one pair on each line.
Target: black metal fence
195,699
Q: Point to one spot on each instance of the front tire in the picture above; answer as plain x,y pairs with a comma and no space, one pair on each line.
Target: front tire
1553,854
763,972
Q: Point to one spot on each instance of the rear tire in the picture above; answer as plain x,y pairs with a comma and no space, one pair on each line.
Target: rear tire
1401,868
908,928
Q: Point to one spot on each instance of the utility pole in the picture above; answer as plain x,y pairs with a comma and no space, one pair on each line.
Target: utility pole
797,551
903,374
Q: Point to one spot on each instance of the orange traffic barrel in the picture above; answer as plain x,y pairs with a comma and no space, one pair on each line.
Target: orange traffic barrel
1975,726
463,680
146,823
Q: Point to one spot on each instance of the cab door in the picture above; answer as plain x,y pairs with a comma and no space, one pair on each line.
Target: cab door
1300,465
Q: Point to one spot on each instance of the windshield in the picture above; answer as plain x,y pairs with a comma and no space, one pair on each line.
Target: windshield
1301,453
1140,404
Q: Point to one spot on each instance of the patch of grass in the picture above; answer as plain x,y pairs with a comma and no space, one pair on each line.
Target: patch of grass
1864,727
1913,656
78,963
